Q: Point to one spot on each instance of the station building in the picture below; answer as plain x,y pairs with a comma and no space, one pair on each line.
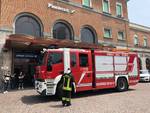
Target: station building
99,22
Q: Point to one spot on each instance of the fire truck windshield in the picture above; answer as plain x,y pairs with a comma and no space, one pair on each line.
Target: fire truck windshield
55,58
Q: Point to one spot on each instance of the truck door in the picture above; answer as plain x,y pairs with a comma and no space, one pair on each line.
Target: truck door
83,71
55,64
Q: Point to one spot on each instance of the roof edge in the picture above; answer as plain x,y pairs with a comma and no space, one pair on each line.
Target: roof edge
138,26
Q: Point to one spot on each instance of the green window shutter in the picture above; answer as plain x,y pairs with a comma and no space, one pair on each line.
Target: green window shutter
120,35
119,10
107,33
145,42
135,40
106,6
86,3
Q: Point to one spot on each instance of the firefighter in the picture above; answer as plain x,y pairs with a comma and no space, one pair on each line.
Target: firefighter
68,81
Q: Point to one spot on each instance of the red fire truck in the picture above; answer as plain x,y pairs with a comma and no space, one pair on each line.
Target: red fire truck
92,70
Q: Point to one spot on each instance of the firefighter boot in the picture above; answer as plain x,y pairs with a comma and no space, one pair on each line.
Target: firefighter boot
68,103
63,103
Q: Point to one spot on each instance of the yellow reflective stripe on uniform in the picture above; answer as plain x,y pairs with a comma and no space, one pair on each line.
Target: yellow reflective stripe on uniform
68,83
63,98
68,88
68,99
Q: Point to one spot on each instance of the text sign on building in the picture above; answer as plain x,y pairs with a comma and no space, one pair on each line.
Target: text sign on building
60,8
26,55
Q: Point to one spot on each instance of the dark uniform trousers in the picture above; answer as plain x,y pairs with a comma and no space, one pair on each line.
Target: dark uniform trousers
66,99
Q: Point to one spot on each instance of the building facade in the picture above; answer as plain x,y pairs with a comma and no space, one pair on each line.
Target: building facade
139,41
101,22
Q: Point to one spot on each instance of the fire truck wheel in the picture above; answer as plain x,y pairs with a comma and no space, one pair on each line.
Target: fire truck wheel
59,91
122,84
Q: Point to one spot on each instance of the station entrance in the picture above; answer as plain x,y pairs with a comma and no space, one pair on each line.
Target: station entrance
25,61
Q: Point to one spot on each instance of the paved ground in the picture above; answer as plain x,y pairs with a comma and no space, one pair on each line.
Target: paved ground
136,100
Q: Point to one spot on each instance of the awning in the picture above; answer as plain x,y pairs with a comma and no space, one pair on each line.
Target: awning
29,42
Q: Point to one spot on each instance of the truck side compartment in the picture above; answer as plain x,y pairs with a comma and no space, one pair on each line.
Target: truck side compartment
92,69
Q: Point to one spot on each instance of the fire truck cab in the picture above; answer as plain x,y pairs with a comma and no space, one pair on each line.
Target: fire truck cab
92,69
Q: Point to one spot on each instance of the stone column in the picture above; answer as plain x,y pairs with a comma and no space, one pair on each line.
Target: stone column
5,54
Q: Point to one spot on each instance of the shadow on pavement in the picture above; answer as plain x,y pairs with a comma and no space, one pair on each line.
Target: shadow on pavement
57,106
35,99
97,92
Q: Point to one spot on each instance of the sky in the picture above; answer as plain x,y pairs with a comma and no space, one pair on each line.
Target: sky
139,12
